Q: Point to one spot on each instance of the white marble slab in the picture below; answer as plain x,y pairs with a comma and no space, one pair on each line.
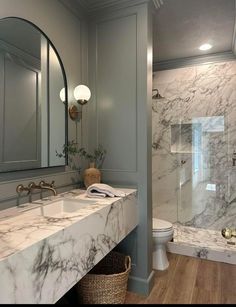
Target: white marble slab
202,243
41,258
194,181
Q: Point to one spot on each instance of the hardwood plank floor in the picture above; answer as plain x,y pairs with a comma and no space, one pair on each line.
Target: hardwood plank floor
191,280
162,282
207,287
228,283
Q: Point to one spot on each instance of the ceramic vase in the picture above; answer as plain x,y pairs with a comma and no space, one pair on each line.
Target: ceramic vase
91,175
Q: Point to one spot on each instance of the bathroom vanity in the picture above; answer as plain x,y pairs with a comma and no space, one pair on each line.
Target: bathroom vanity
47,246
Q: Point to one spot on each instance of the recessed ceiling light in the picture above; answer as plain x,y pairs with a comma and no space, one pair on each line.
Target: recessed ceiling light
205,47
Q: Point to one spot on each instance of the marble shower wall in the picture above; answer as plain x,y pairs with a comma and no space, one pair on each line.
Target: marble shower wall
194,137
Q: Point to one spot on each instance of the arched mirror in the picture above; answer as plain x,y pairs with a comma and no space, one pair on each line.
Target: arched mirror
33,119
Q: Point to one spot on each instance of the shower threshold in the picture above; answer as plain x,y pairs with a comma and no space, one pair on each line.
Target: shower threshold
202,243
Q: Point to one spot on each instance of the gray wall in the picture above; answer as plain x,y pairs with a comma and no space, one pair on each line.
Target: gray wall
69,36
128,141
120,77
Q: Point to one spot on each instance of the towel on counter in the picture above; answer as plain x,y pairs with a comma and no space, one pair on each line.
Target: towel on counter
103,190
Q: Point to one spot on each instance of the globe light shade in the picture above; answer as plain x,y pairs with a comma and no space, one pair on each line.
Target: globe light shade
63,94
205,47
82,94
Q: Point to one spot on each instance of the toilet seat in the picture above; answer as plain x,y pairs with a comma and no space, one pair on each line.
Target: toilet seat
162,233
161,225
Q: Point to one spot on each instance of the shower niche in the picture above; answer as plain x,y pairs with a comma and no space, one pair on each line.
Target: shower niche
186,138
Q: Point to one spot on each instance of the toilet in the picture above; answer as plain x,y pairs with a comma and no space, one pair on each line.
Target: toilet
162,232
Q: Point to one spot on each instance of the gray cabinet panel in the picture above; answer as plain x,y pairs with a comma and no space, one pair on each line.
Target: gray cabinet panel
117,92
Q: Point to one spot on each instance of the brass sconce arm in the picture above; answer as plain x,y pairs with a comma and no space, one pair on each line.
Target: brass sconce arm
74,113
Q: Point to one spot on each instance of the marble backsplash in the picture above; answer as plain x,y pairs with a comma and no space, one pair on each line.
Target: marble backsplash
194,137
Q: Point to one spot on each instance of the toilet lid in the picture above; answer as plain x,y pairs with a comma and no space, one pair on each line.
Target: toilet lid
160,225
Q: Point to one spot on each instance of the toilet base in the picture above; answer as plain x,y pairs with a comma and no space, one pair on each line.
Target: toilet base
160,261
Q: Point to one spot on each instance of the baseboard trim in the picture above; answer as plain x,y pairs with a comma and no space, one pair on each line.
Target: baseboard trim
140,285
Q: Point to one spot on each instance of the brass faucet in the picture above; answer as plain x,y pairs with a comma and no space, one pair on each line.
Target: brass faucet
48,186
43,186
228,233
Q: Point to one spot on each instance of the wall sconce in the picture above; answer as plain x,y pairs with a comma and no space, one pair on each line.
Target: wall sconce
82,94
63,95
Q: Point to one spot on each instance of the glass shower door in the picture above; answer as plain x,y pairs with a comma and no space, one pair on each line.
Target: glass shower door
203,172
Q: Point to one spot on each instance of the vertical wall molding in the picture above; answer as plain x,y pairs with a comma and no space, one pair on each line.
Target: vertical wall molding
128,169
109,36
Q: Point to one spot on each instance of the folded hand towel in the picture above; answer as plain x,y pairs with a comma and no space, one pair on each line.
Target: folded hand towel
103,190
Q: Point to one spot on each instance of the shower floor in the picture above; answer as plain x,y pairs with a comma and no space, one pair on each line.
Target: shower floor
202,243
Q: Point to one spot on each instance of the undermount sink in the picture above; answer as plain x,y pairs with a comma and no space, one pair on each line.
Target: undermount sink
62,207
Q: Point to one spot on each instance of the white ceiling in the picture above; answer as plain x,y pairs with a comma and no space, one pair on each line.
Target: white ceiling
181,26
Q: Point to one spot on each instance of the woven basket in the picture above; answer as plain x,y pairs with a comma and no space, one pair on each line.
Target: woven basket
107,282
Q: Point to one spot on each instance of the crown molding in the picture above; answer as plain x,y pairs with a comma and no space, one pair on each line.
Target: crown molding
109,4
85,8
101,4
191,61
74,7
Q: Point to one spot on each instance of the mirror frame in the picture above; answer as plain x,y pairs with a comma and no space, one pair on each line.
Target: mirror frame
65,102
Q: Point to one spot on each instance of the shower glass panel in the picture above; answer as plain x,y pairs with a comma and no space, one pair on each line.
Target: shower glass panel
194,157
203,142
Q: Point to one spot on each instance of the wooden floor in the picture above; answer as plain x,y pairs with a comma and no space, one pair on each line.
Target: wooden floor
191,281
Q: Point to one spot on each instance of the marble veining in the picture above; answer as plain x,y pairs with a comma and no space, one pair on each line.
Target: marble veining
41,258
193,177
202,243
194,137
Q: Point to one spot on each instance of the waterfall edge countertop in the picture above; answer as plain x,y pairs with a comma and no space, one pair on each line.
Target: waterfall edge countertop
43,253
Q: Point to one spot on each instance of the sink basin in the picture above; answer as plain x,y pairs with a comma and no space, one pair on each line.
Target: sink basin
62,208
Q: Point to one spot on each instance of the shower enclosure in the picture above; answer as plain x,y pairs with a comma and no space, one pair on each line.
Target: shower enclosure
194,154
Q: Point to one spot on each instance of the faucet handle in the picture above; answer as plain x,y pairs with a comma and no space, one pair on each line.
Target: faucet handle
43,183
20,188
31,185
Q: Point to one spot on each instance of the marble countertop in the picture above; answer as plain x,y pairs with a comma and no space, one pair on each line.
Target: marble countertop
42,257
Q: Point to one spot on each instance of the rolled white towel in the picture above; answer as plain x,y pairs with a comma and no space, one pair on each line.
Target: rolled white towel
103,190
